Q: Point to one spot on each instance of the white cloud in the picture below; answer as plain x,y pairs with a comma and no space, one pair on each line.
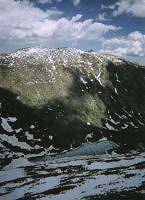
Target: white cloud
103,17
111,7
76,2
23,24
48,1
76,18
136,35
74,29
44,1
131,45
133,7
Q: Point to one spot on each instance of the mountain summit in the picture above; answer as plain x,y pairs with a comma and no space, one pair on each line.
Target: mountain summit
57,98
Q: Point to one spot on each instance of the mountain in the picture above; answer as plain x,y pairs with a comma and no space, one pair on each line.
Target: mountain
59,98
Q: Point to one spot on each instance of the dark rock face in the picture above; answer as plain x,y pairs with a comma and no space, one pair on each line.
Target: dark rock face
61,98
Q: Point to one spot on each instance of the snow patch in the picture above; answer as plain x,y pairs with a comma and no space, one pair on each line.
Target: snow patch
98,77
124,126
116,92
32,126
18,130
83,80
117,78
50,137
14,141
109,127
29,136
5,125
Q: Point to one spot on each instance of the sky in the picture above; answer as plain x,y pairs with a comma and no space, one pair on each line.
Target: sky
106,26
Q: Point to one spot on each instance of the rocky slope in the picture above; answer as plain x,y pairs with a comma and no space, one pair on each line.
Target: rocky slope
59,98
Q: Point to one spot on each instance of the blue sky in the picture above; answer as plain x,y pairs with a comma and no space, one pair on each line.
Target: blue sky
106,26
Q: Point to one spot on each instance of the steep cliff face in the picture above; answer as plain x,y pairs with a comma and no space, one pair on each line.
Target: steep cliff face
63,97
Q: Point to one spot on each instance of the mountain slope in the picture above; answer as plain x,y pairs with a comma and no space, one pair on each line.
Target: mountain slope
63,97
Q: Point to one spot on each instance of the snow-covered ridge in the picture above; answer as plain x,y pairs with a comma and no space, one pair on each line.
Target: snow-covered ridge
50,53
47,56
59,55
90,65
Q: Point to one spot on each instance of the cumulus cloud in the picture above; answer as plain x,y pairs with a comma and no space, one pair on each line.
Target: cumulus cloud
23,23
133,7
131,45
